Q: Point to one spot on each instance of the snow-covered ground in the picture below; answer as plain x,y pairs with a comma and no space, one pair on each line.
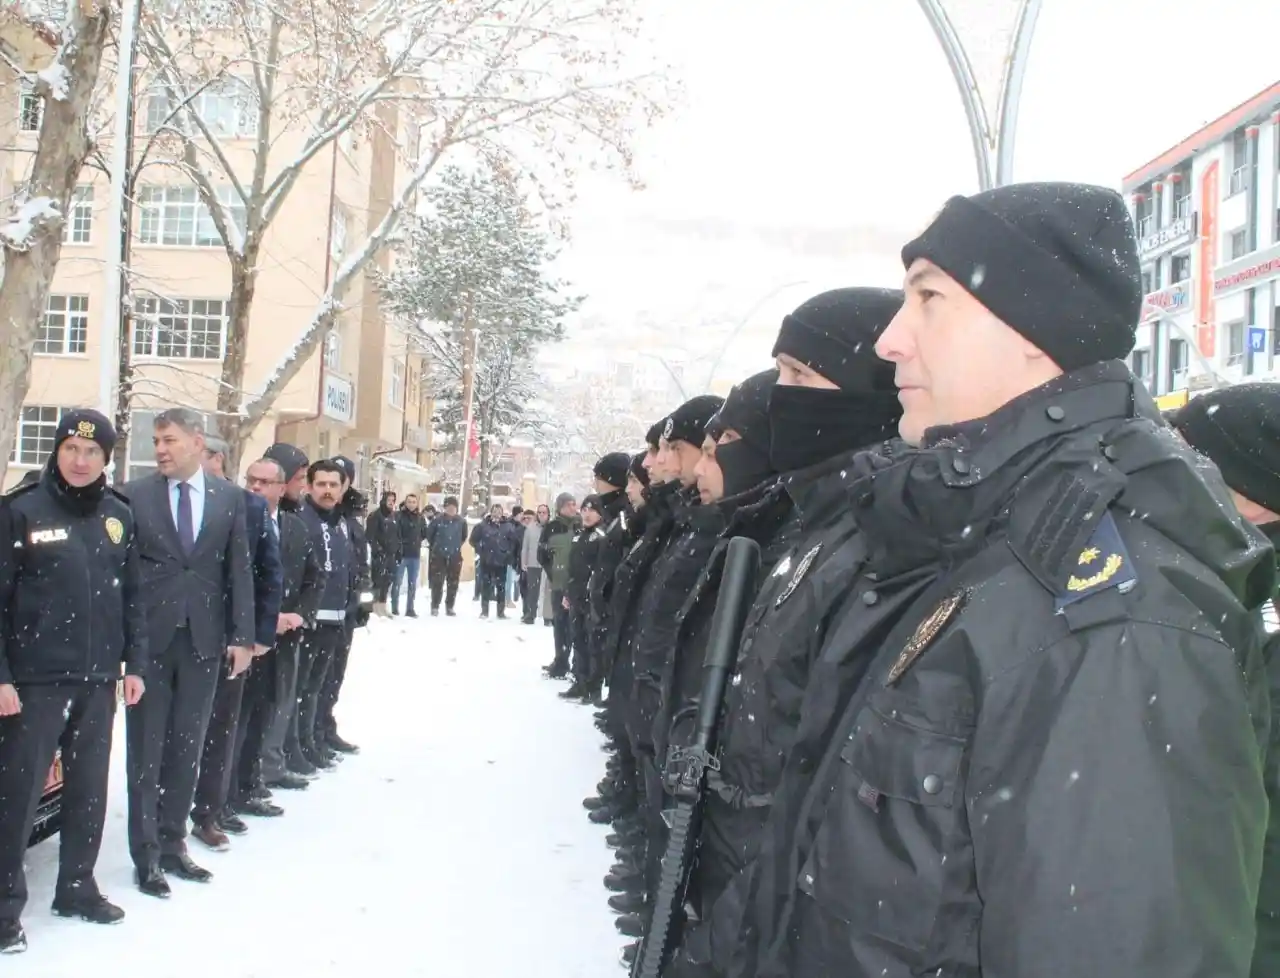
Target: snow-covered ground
453,845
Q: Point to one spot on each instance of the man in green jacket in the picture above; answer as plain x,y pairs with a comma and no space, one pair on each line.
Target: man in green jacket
553,555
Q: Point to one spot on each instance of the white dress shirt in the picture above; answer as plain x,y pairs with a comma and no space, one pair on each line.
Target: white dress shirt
196,482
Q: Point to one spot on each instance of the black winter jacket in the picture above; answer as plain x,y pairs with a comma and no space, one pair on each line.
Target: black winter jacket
69,588
496,543
413,530
382,530
446,535
582,560
1088,652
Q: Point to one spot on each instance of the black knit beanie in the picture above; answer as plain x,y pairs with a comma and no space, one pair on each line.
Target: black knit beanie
638,470
612,469
835,334
1057,262
86,423
1238,429
290,458
654,433
688,422
348,467
746,409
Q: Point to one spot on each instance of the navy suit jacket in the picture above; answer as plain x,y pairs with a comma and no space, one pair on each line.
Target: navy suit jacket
268,574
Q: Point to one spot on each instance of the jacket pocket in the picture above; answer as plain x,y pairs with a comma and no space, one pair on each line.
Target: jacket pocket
879,859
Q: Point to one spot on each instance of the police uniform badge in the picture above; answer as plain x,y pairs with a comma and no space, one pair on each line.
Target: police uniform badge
925,633
86,429
1103,563
669,428
801,570
114,528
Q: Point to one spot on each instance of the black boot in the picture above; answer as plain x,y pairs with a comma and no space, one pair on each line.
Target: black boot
627,902
88,905
630,925
574,692
13,939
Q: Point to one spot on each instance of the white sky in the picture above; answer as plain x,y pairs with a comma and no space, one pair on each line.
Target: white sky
816,136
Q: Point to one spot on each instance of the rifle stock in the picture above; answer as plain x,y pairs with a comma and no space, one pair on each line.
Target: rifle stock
686,767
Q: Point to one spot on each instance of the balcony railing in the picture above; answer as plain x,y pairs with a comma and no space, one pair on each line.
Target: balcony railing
1182,208
1238,181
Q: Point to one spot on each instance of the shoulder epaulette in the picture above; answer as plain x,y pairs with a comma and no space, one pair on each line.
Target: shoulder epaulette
18,490
1101,564
118,494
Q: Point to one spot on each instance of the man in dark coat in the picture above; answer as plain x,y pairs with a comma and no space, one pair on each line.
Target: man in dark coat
382,530
413,531
197,586
209,814
611,473
302,581
967,808
583,554
1238,429
497,546
554,549
72,621
445,537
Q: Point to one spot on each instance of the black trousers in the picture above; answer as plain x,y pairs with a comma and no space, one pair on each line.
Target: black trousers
217,763
284,703
530,591
79,718
257,710
563,629
164,734
326,725
315,657
580,635
493,588
442,577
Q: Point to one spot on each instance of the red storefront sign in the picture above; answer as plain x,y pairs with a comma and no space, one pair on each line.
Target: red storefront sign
1206,308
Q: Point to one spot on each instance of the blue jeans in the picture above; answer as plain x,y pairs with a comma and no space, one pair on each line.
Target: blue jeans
409,566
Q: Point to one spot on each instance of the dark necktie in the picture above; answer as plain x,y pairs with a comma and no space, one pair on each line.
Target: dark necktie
186,532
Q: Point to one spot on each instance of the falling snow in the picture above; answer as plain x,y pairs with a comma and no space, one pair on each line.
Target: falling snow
453,826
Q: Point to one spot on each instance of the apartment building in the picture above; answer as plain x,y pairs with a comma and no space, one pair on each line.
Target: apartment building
361,395
1208,220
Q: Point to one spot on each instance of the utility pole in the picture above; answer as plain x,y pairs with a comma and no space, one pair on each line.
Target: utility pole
118,209
470,350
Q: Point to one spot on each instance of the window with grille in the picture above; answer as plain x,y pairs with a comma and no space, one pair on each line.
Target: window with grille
227,107
37,426
333,350
65,327
395,385
179,329
79,225
30,108
1180,267
177,216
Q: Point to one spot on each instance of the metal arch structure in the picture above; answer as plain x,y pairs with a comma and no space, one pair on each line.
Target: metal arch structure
993,145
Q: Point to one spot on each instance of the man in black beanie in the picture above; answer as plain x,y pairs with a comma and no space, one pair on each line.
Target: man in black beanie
71,624
1057,579
1238,429
742,441
611,484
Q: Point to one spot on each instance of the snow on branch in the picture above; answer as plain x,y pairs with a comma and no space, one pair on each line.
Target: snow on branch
30,214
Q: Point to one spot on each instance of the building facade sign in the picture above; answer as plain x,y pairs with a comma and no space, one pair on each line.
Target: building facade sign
1250,270
1171,300
1180,232
417,437
1206,308
339,399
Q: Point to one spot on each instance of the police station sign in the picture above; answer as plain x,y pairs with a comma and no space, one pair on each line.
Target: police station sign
1171,236
339,399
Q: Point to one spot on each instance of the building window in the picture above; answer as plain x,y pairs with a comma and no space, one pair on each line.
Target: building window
177,216
1238,155
1148,281
1144,215
30,108
1177,378
179,329
227,107
1141,366
333,350
1237,244
141,458
1180,267
1235,343
1159,269
79,224
395,386
37,427
65,326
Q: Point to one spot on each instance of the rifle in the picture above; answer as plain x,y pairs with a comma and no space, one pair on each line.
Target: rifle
687,767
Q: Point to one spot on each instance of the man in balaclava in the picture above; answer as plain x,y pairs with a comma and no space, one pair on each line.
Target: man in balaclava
1238,429
834,399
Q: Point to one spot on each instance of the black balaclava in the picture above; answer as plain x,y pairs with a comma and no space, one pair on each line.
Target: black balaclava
835,334
745,462
84,423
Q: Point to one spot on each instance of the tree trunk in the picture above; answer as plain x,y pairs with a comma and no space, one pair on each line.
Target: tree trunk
124,400
28,269
244,282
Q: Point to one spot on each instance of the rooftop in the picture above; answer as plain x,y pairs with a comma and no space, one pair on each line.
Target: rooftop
1251,109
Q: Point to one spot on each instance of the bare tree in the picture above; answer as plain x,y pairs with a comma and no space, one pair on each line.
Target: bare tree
31,234
539,83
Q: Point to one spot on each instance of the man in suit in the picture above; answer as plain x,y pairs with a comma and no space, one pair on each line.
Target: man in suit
302,583
210,816
275,772
197,587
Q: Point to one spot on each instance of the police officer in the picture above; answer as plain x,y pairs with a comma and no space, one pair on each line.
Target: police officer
71,624
1086,655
